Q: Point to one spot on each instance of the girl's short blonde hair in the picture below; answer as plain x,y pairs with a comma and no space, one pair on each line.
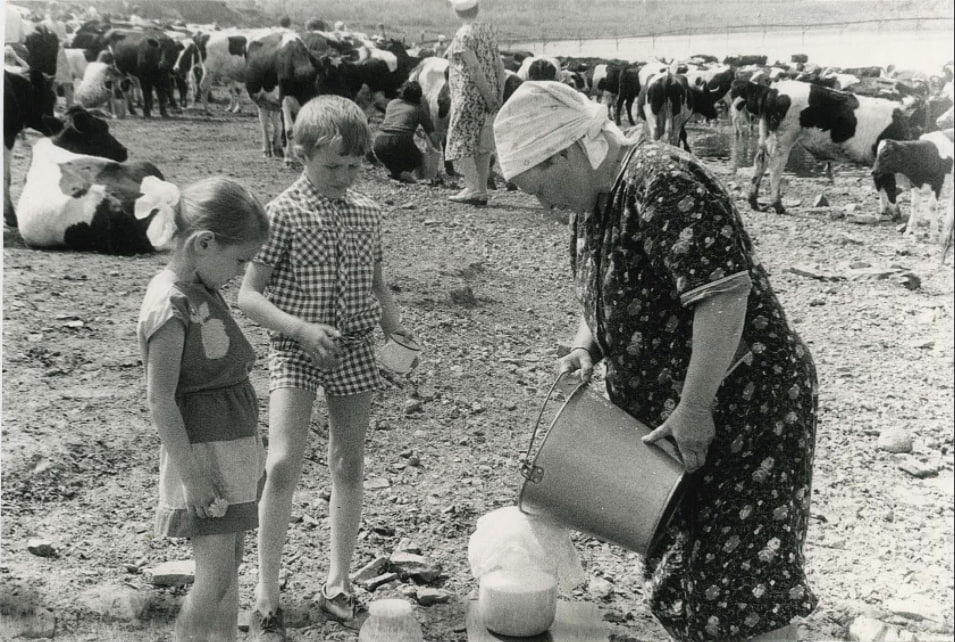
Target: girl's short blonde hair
331,120
224,207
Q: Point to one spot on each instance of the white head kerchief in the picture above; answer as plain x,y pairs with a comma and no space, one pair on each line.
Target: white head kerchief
160,197
463,5
542,118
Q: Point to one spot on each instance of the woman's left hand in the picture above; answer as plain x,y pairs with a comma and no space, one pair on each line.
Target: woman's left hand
693,430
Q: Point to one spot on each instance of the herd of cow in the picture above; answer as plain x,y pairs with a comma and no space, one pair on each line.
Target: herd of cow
883,119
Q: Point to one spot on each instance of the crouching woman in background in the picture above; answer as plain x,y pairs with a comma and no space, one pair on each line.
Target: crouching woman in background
394,143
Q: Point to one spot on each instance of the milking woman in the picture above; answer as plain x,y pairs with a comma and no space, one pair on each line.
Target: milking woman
696,345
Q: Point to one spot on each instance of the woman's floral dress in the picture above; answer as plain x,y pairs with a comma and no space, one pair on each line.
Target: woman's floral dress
731,563
468,110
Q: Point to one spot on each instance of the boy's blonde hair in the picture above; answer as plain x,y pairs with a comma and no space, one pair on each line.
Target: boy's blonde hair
331,120
224,207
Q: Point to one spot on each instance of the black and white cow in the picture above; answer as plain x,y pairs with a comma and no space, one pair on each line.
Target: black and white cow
224,63
149,56
28,102
74,200
829,124
925,162
280,76
667,103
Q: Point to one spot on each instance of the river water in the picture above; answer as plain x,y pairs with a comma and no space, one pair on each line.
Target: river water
921,49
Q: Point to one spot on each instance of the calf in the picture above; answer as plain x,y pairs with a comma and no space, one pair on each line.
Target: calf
28,101
82,202
101,83
829,124
925,162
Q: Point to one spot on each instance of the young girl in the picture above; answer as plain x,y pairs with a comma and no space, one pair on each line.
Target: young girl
202,403
319,286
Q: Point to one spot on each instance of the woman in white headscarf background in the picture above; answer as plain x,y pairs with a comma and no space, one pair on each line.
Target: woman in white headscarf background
476,84
695,345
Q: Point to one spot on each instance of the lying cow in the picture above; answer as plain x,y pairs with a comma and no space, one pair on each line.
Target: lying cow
829,124
82,202
925,162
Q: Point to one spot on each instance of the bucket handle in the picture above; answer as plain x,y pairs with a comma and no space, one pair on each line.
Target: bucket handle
529,471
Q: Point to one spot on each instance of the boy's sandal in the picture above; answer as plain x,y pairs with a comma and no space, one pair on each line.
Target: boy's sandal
343,608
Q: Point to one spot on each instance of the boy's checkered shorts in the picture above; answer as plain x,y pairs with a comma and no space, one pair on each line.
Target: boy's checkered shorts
291,367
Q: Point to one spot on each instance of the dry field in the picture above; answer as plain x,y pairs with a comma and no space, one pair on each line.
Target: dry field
80,456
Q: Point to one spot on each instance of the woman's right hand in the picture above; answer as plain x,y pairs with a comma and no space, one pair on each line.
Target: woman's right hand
577,361
322,344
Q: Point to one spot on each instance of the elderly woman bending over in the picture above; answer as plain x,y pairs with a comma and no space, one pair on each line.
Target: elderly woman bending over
695,343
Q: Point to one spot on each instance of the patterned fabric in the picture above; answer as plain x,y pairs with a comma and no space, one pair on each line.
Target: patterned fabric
218,405
357,373
731,563
323,253
468,111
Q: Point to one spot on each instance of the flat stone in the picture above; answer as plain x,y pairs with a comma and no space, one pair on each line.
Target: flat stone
600,588
377,483
378,581
406,545
821,201
428,596
918,468
867,629
41,547
915,607
176,573
414,566
895,440
372,569
116,602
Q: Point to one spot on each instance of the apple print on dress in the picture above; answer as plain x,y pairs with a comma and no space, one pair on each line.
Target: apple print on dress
215,340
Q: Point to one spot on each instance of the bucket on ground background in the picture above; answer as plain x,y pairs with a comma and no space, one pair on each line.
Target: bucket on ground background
399,355
594,474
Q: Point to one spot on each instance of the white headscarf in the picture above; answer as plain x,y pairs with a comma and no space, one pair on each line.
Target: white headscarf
542,118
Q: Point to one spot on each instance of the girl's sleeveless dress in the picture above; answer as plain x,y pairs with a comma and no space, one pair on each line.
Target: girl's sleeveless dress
218,405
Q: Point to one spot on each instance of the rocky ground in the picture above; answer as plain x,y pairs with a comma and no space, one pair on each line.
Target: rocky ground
487,292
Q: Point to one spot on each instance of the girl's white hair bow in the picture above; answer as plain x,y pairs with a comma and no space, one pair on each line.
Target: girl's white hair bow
160,197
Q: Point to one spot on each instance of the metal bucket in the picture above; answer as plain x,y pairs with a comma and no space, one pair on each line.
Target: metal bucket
594,474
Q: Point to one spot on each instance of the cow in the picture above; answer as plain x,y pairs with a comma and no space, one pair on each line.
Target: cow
280,77
148,56
925,162
668,102
829,124
432,74
628,89
539,68
78,201
224,63
28,101
189,64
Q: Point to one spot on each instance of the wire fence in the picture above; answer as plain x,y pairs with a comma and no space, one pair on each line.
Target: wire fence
880,24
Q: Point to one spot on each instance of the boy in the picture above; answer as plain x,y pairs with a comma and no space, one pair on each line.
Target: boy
322,266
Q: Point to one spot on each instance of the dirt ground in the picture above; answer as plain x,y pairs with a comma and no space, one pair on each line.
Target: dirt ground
80,455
